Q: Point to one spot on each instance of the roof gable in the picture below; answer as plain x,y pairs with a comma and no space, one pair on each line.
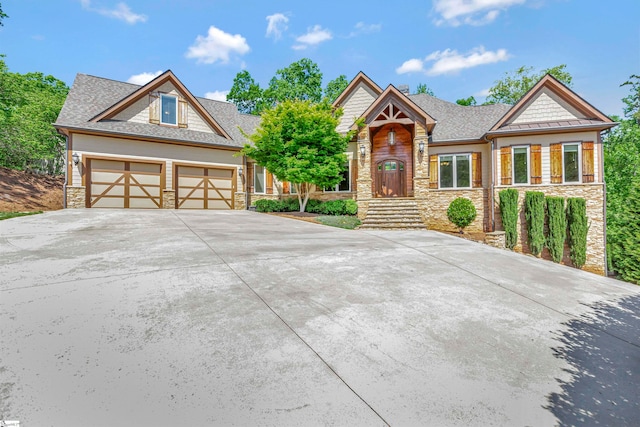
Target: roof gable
360,79
165,80
550,101
392,106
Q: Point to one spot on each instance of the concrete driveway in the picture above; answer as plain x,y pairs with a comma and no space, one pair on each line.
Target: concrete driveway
237,318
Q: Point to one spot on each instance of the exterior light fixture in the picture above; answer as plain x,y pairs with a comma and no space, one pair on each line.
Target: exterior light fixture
240,170
76,159
362,151
421,147
391,137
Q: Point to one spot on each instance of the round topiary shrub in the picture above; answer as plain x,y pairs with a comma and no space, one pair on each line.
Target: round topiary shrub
461,212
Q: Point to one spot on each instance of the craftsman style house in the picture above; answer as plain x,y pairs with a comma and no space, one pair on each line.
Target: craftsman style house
158,146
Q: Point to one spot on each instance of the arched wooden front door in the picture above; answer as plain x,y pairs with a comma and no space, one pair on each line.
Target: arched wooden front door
391,178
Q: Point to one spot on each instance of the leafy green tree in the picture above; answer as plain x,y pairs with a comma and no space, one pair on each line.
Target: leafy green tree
534,215
508,200
423,88
632,101
297,142
513,86
335,87
2,16
626,248
466,101
29,104
577,230
246,94
301,80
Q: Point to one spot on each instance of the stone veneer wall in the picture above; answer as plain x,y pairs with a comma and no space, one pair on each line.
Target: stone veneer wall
76,197
594,196
239,201
168,199
434,208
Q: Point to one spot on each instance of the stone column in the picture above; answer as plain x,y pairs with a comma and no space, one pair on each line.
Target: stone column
168,199
76,196
240,201
421,170
364,181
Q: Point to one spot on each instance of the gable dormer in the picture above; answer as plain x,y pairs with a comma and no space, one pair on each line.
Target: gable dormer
164,101
355,99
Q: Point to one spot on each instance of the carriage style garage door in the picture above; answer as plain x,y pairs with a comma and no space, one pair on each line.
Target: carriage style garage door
124,184
204,187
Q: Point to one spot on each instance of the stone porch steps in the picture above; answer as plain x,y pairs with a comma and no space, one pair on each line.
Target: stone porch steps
393,214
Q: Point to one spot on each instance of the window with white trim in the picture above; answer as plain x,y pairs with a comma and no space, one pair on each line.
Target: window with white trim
520,163
169,109
455,170
571,165
259,179
345,184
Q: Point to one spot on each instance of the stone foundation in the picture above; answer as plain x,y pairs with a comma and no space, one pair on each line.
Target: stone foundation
76,197
594,196
434,209
495,239
240,201
168,199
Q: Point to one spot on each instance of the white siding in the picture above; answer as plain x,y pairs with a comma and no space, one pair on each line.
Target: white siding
139,112
155,151
355,104
546,107
545,141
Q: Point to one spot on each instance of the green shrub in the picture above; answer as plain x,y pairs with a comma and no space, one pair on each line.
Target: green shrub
313,206
290,204
534,215
333,207
577,226
351,207
267,205
509,211
461,212
625,249
557,225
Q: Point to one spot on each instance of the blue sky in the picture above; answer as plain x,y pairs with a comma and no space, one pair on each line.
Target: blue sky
457,47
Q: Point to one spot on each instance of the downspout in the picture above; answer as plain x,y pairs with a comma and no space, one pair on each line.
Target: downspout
66,169
246,183
492,186
604,206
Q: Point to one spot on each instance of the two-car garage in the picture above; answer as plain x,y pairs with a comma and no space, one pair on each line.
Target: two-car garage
124,183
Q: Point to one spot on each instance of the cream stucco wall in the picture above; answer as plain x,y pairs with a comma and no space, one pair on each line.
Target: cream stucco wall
91,145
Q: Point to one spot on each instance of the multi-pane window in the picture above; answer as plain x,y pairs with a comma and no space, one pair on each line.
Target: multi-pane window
259,179
455,171
571,162
520,165
169,110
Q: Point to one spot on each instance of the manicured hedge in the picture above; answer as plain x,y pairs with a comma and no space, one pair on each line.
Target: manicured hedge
557,227
534,215
291,204
577,227
461,212
509,211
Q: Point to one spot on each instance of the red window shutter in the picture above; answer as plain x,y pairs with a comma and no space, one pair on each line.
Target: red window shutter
587,162
505,166
536,164
183,111
354,175
556,163
269,183
476,169
433,171
154,108
250,177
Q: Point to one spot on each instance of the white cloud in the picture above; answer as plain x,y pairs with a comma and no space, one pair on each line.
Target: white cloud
451,62
483,93
121,12
217,46
277,24
411,66
217,95
143,78
315,35
471,12
362,28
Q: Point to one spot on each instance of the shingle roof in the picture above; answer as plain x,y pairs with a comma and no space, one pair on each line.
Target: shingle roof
89,96
459,122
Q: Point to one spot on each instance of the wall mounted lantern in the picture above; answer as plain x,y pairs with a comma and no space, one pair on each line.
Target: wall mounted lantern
391,137
421,147
240,170
76,159
362,150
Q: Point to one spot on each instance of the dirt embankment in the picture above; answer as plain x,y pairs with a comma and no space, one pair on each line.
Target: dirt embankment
23,191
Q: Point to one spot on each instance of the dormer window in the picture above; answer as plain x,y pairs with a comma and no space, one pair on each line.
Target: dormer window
169,110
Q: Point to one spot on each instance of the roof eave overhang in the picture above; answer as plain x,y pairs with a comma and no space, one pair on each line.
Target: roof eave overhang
69,129
540,131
